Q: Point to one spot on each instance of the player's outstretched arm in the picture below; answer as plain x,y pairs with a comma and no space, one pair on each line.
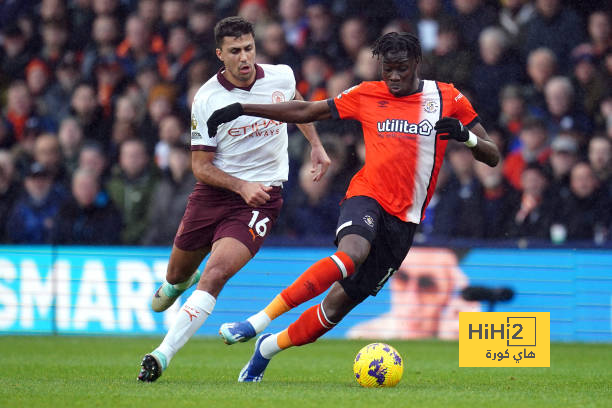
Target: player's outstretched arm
477,139
291,112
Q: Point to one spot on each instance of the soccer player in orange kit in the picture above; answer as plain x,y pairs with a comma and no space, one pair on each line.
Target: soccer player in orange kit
407,123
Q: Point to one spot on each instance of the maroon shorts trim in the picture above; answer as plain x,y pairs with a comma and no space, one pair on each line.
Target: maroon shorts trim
214,213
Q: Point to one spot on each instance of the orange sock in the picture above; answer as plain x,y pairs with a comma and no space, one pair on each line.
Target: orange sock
311,325
283,340
276,308
318,278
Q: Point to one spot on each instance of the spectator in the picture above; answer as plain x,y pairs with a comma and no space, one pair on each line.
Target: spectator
556,27
459,212
316,70
562,112
322,36
587,200
366,67
600,35
105,35
563,156
58,94
533,148
10,189
131,187
86,110
449,61
160,104
600,160
473,16
532,217
15,55
32,217
512,114
427,23
541,66
499,199
170,197
81,18
353,37
20,111
514,16
174,62
590,82
276,48
294,22
70,138
140,46
497,68
54,37
201,25
47,152
170,133
173,12
85,219
93,159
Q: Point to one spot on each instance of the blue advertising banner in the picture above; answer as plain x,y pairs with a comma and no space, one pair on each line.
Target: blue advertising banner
107,291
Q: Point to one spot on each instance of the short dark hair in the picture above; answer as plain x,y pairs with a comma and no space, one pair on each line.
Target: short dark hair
398,42
232,27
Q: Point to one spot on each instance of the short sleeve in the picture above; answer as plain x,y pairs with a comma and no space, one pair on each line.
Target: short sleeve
462,108
199,131
346,104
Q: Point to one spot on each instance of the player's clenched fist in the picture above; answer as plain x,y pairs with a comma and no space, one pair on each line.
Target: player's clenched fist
223,115
254,194
450,128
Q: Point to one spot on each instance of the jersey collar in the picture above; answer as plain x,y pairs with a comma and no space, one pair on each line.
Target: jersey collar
259,73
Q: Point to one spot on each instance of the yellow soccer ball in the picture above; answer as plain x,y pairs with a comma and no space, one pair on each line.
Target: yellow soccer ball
378,365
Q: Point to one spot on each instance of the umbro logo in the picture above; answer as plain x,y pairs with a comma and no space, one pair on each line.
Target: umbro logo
383,104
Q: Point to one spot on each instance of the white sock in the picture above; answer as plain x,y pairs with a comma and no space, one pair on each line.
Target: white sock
269,347
259,321
190,318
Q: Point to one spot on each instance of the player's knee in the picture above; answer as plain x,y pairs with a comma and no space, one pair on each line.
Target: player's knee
356,249
218,274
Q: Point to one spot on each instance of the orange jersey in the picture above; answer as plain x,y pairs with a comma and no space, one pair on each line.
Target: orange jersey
403,154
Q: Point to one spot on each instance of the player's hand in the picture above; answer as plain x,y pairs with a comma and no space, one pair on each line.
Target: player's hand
223,115
320,162
451,128
255,194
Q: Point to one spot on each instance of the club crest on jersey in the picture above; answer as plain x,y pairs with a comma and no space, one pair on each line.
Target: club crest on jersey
430,106
368,220
396,127
278,97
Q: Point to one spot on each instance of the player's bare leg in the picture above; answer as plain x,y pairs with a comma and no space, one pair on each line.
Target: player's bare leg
353,249
182,273
228,256
312,324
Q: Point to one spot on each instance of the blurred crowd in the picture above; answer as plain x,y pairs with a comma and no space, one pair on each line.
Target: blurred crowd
95,99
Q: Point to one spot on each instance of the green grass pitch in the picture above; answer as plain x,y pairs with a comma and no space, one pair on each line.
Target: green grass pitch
101,372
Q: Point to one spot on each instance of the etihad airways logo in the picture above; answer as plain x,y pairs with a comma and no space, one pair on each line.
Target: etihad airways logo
424,128
263,127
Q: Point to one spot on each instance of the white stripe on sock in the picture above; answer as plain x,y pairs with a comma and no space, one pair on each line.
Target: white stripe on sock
321,320
340,265
324,315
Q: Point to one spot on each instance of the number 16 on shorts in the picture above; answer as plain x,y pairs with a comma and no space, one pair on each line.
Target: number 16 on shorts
501,339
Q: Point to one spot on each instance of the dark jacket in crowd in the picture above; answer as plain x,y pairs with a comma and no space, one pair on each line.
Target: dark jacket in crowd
98,224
